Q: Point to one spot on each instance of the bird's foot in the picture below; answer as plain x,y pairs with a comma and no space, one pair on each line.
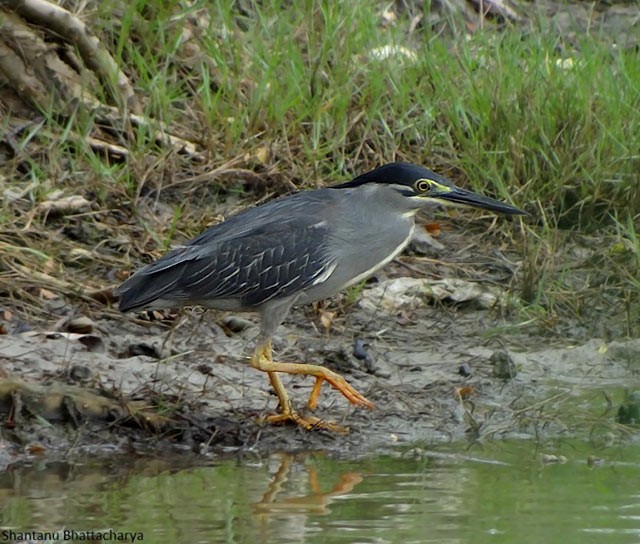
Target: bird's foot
309,423
337,382
262,361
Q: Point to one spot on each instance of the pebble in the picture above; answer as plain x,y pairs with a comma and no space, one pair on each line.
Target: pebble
464,370
80,325
503,366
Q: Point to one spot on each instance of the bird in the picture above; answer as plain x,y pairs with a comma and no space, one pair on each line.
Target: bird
295,250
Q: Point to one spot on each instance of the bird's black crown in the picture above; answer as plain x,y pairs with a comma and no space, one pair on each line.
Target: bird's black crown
397,173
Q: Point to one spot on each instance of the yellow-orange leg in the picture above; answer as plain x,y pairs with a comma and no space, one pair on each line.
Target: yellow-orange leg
312,403
289,415
262,361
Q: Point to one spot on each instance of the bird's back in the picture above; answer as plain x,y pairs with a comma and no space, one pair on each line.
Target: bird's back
271,251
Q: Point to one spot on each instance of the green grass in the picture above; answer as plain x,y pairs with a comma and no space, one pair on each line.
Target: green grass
498,111
524,116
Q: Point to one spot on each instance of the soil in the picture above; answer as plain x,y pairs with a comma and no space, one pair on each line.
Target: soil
440,359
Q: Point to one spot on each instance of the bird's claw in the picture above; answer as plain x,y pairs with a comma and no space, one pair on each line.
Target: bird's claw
309,423
339,383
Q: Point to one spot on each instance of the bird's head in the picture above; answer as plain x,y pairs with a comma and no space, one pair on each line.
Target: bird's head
422,187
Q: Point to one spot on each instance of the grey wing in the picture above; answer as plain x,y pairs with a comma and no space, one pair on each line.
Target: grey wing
268,262
258,268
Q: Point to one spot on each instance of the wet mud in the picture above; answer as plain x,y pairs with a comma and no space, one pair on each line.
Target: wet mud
441,360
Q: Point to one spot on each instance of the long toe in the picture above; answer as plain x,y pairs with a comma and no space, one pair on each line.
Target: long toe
350,393
310,423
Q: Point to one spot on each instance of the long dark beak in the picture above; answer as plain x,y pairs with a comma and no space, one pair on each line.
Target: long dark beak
468,199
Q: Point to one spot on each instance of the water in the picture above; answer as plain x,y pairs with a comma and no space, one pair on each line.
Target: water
502,492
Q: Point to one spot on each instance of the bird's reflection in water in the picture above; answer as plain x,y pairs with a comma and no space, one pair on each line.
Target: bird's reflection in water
289,494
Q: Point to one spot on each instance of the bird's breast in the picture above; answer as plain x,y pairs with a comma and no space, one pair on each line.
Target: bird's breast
379,254
358,248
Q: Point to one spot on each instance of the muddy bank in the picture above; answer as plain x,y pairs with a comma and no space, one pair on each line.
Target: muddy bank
441,361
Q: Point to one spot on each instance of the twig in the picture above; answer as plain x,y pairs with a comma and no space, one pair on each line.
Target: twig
107,148
112,117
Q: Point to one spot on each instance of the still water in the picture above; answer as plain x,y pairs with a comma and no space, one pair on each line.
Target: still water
501,492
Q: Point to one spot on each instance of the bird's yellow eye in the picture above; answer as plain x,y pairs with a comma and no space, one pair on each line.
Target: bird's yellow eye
422,185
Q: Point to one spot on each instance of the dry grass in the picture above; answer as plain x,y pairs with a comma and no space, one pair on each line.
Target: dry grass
244,101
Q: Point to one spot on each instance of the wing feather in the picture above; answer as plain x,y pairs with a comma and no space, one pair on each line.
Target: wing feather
271,260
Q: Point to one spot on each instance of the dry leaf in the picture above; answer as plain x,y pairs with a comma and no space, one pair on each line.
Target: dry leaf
464,392
35,449
104,296
49,266
403,318
433,229
326,318
46,294
263,154
389,17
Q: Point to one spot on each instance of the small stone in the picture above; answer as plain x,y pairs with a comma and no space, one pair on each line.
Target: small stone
503,366
80,325
549,458
360,350
236,324
414,453
80,373
92,343
205,369
144,349
378,367
594,461
629,410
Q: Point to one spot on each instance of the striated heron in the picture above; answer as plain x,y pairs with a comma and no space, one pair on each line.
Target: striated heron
295,250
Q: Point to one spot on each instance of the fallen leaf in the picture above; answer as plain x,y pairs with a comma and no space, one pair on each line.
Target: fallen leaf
403,318
35,449
389,16
433,229
464,392
105,296
326,318
49,266
263,154
46,294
